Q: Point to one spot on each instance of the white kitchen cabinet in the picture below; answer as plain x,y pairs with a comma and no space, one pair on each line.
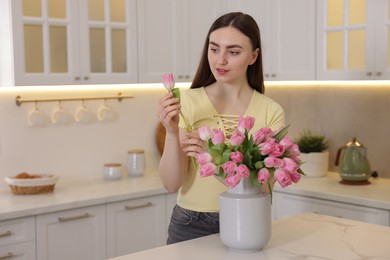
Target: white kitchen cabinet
353,39
287,30
287,204
17,239
171,34
135,225
68,42
72,234
170,203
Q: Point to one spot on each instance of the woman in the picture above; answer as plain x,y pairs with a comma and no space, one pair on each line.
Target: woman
228,84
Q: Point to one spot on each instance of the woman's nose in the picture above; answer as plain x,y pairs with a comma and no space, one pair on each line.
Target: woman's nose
222,58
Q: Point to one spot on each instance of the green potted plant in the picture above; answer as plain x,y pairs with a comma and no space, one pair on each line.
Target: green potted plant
314,153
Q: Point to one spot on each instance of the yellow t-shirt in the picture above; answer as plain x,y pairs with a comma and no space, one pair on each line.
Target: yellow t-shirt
202,193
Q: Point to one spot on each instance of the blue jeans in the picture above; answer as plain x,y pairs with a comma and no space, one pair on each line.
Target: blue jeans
187,224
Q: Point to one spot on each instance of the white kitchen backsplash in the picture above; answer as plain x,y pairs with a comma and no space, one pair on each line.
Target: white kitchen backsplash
341,112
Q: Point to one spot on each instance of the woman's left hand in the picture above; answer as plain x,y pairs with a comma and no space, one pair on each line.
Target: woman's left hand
193,144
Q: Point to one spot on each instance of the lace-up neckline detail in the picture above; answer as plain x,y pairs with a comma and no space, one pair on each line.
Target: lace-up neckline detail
228,123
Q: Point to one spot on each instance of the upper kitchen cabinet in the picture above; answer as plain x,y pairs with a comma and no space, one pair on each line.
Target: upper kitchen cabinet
171,34
287,31
353,39
69,42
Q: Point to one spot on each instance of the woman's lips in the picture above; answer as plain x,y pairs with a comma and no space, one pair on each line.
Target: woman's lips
222,71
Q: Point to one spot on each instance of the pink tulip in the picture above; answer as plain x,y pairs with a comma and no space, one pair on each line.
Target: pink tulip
295,177
282,177
229,167
290,165
237,138
245,123
168,81
277,151
208,169
273,162
261,135
287,143
203,158
267,147
204,133
236,157
232,180
217,136
293,151
242,171
263,175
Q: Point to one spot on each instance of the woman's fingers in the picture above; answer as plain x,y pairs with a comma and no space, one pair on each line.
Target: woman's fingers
193,144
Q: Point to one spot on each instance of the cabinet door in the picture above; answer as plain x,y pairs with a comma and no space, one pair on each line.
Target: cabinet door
287,205
108,41
72,234
171,34
135,225
287,31
353,39
171,199
42,34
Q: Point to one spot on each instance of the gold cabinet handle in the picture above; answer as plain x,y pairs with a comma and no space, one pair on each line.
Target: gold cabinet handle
148,204
6,234
369,73
76,78
378,73
86,78
8,255
65,219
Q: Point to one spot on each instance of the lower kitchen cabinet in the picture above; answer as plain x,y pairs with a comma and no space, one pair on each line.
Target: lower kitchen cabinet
72,234
287,204
135,225
170,200
17,239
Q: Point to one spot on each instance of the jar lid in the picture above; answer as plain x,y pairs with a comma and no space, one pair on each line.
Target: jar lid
112,164
135,151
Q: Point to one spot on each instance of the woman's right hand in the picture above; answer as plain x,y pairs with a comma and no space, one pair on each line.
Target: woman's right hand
168,112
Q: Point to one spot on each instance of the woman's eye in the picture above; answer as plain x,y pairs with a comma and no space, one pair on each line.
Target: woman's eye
234,52
214,50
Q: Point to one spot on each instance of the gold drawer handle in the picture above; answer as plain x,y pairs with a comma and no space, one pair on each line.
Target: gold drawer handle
65,219
148,204
9,255
6,234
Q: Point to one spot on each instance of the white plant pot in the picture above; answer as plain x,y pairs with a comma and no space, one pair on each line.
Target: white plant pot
316,164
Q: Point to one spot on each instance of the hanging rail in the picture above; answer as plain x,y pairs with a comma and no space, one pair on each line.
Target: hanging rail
20,100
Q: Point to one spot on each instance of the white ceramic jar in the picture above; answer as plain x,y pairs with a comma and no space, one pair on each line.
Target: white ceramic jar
135,162
112,171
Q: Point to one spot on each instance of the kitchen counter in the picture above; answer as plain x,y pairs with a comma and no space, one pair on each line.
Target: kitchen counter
374,195
306,236
70,194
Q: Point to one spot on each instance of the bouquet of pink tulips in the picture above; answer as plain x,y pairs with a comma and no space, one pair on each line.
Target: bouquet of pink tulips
264,156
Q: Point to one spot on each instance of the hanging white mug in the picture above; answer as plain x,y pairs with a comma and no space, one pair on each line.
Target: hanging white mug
61,116
84,115
107,114
37,117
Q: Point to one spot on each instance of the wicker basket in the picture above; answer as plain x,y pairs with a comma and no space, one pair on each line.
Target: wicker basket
44,184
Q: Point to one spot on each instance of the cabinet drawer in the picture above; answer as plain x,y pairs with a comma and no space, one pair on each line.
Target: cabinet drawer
20,251
17,230
287,204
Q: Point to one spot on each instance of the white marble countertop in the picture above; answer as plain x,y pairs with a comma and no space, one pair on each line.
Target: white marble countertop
306,236
69,194
374,195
